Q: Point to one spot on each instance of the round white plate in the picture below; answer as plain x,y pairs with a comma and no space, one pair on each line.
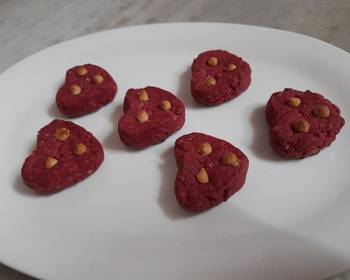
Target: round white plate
290,221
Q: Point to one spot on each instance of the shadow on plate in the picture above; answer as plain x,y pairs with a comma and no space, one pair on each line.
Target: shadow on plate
18,184
22,189
113,141
184,91
269,252
166,197
55,113
12,274
260,145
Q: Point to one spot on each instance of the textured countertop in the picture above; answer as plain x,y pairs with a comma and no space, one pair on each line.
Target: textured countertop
29,26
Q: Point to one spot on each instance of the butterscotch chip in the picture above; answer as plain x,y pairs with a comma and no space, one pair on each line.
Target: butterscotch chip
143,95
75,89
231,67
210,81
322,111
301,126
97,79
212,61
81,71
50,162
204,149
165,105
202,176
230,159
79,149
294,102
62,134
142,116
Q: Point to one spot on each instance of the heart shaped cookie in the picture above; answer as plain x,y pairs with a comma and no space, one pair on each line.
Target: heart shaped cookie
210,171
87,88
219,76
301,123
65,155
150,116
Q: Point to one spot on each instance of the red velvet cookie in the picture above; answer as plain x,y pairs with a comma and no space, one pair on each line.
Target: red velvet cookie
301,123
219,76
150,116
65,155
210,171
87,88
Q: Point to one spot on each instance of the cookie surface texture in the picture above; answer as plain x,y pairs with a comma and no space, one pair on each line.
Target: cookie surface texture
210,171
65,155
218,76
301,123
150,116
87,88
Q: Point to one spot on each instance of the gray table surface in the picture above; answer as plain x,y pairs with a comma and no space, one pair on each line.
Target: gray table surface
29,26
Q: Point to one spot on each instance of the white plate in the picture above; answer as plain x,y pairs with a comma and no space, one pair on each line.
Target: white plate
290,221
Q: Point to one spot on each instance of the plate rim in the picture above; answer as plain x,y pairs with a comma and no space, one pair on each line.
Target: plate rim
152,25
131,28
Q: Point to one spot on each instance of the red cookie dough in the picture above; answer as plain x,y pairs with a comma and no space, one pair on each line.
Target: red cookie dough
87,88
301,123
150,116
210,171
65,155
219,76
